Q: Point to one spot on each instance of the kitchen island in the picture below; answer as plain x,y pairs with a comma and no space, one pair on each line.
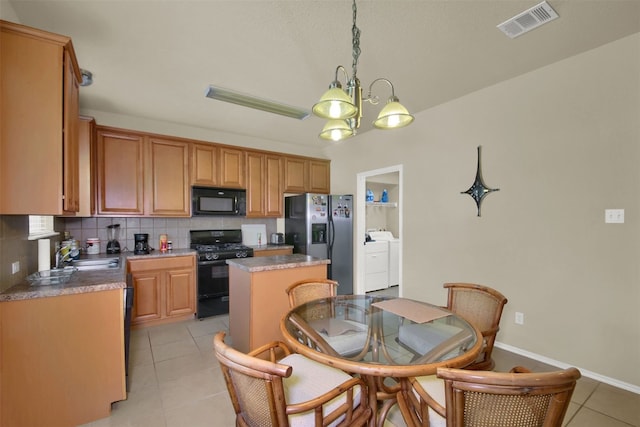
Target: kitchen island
257,295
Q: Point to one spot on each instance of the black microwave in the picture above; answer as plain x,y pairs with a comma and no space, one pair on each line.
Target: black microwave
207,201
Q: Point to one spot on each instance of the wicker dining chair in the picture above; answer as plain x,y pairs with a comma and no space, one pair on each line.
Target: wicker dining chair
270,386
354,343
481,306
310,289
461,398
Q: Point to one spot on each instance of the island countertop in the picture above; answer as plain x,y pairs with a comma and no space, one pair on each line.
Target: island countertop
278,262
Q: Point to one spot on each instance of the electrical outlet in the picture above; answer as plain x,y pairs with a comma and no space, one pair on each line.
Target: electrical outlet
614,216
15,267
519,318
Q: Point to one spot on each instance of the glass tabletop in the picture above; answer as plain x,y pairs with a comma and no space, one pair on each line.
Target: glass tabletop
375,331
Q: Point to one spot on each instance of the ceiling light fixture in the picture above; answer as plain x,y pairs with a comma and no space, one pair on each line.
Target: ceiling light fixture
344,108
228,95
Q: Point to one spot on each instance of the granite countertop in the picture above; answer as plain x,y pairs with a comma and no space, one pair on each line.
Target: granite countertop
279,262
86,281
271,247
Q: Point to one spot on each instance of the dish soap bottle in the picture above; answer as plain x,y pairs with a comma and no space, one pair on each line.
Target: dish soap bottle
385,196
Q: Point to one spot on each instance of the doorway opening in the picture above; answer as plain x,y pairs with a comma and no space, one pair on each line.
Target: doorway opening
379,215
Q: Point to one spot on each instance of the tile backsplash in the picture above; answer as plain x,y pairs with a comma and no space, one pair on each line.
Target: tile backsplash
177,229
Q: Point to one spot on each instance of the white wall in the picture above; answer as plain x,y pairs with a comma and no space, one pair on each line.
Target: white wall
7,12
562,144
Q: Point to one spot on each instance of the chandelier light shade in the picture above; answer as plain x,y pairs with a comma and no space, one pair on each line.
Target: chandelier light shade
343,108
335,104
392,116
336,130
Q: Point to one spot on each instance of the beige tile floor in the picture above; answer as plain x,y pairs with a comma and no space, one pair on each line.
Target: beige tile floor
176,382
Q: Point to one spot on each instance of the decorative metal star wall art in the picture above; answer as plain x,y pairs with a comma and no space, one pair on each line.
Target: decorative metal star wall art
479,189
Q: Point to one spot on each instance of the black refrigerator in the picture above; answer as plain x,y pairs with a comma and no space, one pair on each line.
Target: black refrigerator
321,225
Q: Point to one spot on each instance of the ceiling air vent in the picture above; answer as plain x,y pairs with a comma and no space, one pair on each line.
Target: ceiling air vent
528,20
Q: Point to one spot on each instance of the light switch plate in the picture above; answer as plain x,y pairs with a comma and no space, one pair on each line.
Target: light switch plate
614,216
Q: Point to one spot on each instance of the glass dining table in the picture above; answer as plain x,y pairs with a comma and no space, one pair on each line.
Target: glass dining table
385,340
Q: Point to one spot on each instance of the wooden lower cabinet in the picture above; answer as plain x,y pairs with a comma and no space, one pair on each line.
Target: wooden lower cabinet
62,358
257,302
164,289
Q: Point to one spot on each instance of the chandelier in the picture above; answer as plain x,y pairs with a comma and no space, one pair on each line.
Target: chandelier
343,108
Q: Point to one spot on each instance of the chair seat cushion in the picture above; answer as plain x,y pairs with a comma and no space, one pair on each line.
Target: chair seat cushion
422,338
434,387
351,341
310,379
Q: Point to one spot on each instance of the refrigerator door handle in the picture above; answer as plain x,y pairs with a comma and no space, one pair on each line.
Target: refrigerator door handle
330,237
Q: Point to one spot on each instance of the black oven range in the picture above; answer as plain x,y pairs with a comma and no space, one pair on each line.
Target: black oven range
213,248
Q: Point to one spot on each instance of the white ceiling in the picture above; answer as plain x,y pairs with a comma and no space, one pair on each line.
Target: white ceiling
155,59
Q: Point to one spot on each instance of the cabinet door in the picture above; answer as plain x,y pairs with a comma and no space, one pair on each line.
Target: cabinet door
31,157
120,183
273,197
169,174
86,160
180,292
295,175
71,165
255,185
146,297
319,175
204,164
231,168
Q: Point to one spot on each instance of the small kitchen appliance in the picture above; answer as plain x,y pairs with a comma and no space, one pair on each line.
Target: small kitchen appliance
141,243
277,238
113,246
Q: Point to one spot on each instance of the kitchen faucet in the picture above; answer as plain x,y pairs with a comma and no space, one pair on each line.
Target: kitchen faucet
61,258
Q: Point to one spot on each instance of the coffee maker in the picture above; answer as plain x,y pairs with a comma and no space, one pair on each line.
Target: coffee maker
141,244
113,246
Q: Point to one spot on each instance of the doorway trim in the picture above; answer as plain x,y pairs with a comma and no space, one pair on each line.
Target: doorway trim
361,222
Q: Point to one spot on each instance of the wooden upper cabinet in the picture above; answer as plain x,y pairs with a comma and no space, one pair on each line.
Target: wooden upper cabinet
232,163
295,175
204,164
169,192
303,175
120,173
39,104
273,186
86,156
255,184
71,146
264,185
319,176
141,174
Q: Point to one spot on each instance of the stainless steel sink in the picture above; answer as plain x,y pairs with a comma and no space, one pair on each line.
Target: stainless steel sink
96,263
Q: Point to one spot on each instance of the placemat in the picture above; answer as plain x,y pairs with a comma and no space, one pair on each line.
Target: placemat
412,310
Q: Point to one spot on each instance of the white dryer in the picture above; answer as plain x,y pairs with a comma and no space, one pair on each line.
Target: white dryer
393,250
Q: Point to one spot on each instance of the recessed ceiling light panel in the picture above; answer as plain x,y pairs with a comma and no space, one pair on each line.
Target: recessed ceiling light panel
228,95
528,20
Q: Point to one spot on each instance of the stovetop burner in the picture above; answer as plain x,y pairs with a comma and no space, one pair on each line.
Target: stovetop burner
219,244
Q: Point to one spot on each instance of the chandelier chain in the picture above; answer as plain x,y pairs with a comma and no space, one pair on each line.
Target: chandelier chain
355,31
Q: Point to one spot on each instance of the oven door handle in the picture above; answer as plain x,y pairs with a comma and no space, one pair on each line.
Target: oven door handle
213,262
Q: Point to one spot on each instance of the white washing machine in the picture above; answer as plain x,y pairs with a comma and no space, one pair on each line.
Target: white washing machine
376,267
393,252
